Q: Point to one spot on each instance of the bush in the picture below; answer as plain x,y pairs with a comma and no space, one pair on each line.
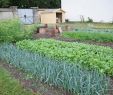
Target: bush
11,31
90,20
67,20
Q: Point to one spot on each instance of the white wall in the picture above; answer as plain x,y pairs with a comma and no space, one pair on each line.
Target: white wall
98,10
6,15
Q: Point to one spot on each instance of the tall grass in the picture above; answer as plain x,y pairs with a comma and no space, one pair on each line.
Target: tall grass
70,77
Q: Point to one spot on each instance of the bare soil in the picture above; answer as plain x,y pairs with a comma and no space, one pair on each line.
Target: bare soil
59,37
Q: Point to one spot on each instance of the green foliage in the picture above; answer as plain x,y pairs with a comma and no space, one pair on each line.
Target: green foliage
94,36
94,30
4,3
10,86
12,31
71,77
90,20
89,56
32,3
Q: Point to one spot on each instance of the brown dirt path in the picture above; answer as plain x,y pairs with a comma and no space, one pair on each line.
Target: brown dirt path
58,37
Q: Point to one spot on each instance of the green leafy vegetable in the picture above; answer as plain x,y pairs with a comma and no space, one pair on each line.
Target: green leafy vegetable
89,56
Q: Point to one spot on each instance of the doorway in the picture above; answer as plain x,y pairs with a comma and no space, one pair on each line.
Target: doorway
58,17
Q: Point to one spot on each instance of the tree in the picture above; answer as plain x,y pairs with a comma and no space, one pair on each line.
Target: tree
4,3
35,3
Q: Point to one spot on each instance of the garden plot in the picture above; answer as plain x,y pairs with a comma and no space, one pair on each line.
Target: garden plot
70,77
89,56
75,68
92,36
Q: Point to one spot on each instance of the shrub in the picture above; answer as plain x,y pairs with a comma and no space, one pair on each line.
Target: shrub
12,30
90,20
66,20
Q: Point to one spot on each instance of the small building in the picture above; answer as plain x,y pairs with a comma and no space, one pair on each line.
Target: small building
34,15
51,16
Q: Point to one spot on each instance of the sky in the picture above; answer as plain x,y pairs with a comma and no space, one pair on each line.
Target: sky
98,10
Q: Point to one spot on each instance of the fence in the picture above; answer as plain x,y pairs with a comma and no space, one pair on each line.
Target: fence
27,16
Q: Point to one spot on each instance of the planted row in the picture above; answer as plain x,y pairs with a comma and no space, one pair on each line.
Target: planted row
89,35
89,56
105,30
71,77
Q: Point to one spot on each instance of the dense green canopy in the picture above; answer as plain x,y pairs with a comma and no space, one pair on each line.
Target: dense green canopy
31,3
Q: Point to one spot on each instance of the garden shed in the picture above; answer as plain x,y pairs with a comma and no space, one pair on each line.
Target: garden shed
51,16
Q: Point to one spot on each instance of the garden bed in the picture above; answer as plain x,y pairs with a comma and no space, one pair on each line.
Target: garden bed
30,83
92,36
70,77
89,56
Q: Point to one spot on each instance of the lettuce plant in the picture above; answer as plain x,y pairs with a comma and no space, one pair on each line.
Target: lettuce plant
89,56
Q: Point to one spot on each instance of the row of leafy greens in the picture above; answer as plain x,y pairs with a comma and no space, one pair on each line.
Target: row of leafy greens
89,56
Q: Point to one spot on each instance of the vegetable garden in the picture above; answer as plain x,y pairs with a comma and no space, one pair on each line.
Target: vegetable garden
90,56
77,68
93,35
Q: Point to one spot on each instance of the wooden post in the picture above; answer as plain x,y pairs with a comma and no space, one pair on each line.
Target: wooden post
35,14
14,11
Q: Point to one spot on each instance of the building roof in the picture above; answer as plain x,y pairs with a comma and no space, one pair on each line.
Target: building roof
51,10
